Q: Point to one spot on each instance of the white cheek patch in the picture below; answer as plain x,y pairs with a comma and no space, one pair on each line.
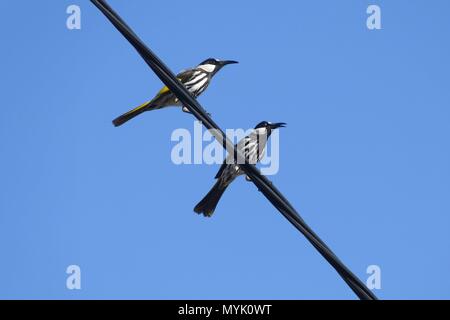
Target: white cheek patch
207,67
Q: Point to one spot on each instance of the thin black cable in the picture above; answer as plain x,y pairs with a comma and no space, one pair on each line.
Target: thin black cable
262,183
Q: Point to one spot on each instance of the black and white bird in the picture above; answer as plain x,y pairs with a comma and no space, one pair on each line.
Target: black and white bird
195,80
252,147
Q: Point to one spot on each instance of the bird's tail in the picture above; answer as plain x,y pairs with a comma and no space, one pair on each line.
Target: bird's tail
209,203
133,113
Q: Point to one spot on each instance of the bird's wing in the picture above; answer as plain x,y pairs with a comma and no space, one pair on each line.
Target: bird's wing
163,91
187,75
183,77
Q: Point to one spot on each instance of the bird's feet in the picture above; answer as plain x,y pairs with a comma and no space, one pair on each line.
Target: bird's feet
185,109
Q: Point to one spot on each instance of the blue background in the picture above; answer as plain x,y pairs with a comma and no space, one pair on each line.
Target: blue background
365,157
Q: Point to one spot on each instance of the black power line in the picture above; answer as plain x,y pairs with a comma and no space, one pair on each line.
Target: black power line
261,182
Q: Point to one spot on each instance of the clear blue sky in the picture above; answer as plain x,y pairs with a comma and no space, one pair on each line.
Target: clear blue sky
365,158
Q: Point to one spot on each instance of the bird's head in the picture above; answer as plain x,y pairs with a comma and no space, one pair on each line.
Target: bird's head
212,65
269,126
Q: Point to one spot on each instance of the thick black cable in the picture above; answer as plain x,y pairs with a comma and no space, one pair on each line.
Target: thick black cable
263,184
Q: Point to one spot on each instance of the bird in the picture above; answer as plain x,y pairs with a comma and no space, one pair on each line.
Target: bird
196,80
252,147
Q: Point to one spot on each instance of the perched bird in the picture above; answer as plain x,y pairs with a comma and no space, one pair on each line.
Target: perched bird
195,80
252,147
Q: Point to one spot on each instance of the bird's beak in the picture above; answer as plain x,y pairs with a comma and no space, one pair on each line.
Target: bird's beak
274,126
226,62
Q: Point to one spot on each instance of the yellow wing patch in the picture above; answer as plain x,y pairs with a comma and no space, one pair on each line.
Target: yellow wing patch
146,104
162,91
